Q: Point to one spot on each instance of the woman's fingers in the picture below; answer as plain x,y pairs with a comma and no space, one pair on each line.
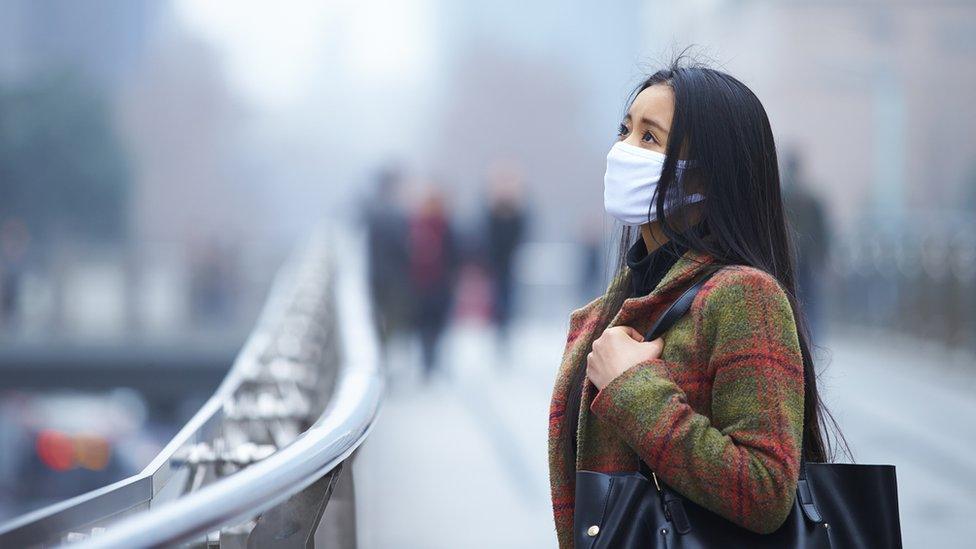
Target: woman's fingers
628,330
634,334
590,372
653,349
617,349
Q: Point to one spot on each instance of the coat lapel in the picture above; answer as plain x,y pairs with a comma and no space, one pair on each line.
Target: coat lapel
639,313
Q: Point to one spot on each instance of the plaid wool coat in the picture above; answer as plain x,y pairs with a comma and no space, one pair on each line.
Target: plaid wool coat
718,417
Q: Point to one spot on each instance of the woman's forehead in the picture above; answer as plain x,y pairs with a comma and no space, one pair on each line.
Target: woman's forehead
656,103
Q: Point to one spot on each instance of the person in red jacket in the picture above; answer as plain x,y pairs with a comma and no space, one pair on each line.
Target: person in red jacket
433,271
719,405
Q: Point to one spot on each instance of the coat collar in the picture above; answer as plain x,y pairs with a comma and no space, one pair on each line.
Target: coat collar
644,309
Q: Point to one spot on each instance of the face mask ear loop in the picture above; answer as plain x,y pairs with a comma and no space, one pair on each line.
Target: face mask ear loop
652,206
681,167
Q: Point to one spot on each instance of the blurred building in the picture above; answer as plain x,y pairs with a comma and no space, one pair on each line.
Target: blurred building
183,176
877,94
106,39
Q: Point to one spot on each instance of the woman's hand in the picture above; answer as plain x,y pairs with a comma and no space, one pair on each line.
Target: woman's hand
616,350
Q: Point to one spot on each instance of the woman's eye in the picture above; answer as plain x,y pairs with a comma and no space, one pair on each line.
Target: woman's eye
623,130
649,137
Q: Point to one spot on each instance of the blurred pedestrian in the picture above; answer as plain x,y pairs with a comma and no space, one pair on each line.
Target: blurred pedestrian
591,263
433,261
506,221
14,243
213,282
807,218
386,256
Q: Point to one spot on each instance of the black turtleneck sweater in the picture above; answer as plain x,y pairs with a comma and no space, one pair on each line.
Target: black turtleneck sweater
647,270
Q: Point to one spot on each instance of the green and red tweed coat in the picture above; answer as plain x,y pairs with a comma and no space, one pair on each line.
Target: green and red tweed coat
719,417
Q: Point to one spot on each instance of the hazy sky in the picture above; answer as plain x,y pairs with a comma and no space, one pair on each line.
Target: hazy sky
340,87
273,52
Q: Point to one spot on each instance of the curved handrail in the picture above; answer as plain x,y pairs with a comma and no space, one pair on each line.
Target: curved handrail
342,427
135,511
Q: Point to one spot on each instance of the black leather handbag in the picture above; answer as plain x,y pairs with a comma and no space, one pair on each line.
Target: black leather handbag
836,505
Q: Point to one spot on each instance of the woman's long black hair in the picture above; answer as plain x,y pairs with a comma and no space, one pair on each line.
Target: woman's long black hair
722,128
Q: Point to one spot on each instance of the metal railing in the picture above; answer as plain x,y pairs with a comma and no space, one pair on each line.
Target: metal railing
915,279
271,450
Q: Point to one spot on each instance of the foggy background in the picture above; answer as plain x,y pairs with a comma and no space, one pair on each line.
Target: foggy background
158,161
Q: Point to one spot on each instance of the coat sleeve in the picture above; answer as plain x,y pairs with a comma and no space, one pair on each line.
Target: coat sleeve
742,461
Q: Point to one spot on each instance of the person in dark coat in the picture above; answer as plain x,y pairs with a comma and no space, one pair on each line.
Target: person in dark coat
506,221
809,222
386,243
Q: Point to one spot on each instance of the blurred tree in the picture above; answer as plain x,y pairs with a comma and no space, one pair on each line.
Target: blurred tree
63,170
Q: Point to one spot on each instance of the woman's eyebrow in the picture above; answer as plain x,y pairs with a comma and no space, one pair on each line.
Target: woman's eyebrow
649,122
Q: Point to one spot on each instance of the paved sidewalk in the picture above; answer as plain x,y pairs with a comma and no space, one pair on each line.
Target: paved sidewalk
463,463
913,406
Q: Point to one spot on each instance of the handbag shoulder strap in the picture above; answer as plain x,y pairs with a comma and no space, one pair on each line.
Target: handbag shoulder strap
678,308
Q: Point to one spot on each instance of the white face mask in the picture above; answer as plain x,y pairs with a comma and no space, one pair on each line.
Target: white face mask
631,181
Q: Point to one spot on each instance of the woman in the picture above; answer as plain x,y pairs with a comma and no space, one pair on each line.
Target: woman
718,405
